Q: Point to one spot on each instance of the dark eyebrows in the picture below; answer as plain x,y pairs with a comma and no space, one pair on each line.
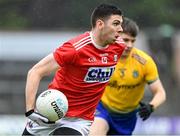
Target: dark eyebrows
127,39
117,21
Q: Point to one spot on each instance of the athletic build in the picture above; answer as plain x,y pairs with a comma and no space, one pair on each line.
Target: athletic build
83,67
116,113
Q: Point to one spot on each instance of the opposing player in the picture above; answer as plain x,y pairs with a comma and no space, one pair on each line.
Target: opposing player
116,113
83,67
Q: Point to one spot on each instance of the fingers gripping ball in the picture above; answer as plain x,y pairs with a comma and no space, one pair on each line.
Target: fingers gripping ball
52,104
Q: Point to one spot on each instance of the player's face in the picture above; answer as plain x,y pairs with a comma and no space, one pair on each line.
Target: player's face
112,28
129,42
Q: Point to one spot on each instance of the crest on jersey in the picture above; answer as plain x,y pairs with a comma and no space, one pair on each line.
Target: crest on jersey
135,73
104,60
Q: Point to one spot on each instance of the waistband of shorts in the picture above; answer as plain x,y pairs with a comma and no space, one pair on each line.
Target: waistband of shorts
117,112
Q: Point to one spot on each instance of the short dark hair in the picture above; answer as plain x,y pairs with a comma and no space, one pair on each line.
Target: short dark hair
130,27
104,11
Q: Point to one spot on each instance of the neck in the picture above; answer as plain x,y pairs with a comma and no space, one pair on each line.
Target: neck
97,38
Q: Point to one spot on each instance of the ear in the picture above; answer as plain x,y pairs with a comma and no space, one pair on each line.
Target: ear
99,24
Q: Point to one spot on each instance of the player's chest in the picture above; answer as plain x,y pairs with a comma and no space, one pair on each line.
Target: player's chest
98,59
129,72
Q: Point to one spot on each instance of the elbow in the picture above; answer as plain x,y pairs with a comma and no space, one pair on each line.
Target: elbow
33,73
30,72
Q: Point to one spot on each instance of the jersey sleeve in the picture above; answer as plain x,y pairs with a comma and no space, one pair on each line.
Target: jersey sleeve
65,54
151,71
121,43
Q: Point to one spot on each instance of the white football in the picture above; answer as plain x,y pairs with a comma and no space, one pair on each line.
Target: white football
52,104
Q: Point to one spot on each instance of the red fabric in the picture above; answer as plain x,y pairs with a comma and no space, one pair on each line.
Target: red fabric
84,73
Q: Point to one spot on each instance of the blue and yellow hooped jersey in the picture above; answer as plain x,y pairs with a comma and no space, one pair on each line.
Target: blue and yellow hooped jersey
127,84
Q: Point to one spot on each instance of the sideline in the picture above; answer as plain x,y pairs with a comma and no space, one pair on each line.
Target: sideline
14,125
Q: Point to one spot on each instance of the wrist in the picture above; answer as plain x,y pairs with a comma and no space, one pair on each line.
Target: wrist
29,112
152,107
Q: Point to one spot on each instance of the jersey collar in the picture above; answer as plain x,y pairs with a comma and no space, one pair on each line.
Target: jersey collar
96,45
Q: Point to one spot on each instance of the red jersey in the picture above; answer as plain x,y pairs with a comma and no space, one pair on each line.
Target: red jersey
84,73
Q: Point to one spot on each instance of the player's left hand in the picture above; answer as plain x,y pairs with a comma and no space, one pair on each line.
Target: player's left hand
38,118
145,110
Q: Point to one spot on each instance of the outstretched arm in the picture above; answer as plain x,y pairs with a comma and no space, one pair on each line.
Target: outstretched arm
43,68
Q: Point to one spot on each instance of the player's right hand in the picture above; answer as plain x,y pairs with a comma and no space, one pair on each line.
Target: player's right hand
38,118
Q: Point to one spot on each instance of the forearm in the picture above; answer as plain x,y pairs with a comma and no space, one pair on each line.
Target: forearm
32,85
43,68
158,99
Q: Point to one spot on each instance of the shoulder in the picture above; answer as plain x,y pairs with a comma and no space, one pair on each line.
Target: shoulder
120,42
80,39
76,42
119,45
141,56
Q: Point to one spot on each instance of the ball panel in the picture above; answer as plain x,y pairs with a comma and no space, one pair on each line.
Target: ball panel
52,104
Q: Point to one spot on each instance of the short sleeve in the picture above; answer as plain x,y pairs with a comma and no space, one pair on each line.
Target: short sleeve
65,54
151,71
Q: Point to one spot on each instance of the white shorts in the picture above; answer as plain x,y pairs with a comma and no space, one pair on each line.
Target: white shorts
78,124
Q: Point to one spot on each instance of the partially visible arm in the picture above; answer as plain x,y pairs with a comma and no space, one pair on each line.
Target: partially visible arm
159,94
43,68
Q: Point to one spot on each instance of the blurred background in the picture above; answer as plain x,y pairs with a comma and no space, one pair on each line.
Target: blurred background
30,29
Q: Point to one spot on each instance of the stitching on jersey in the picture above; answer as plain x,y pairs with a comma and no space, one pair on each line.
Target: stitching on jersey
82,43
88,37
